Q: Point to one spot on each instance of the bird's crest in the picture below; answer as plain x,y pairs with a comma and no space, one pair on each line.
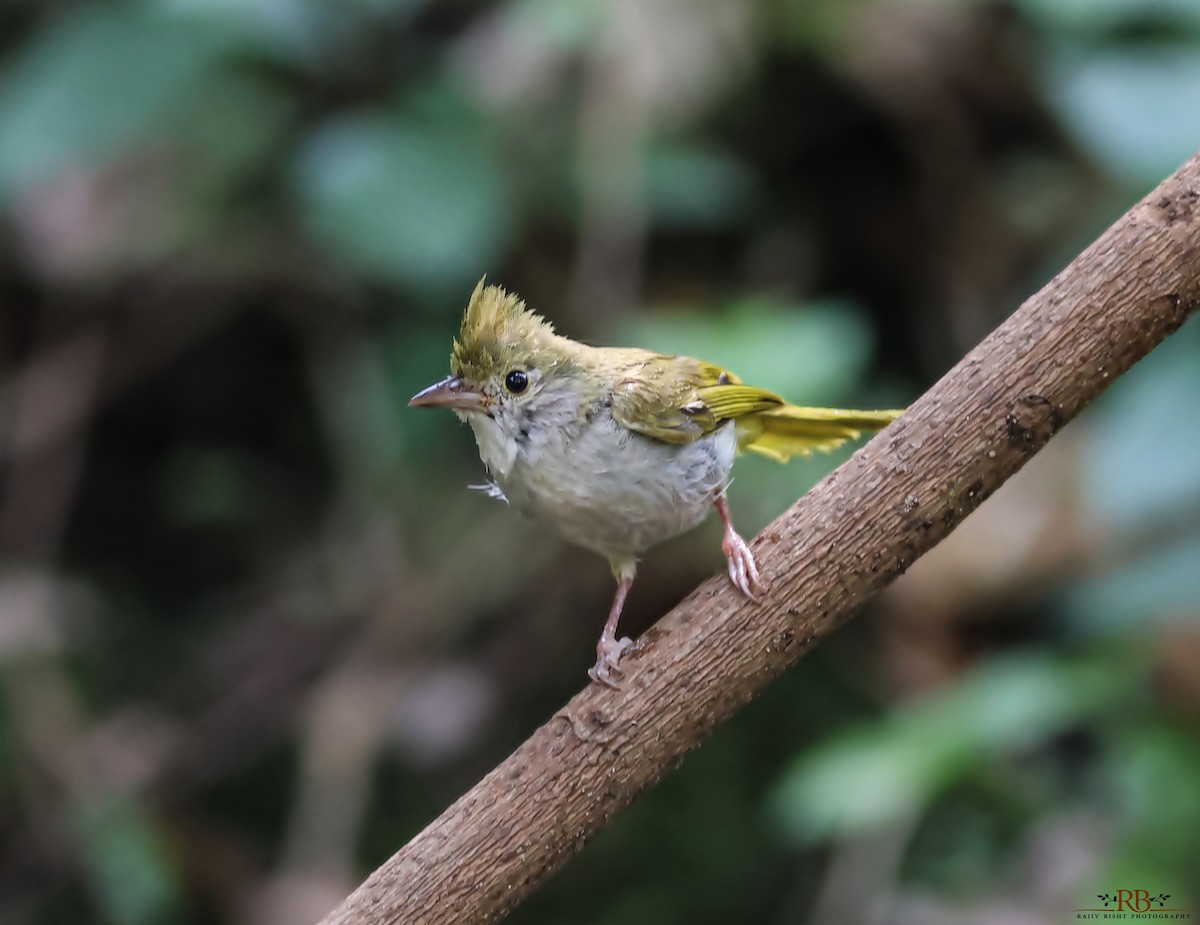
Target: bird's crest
497,330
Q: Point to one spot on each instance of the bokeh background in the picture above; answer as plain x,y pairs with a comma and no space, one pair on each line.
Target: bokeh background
255,631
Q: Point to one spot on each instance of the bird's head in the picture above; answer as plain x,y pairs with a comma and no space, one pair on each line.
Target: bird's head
503,360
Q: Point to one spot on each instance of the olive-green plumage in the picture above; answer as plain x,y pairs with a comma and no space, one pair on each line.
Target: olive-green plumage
616,448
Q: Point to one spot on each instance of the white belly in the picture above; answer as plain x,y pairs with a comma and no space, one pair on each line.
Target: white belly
614,491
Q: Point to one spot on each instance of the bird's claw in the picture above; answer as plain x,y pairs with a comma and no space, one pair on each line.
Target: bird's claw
608,654
743,571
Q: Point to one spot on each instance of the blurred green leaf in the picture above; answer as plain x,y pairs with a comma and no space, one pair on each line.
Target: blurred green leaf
1135,109
305,31
1143,437
95,80
1152,799
404,201
815,26
885,771
1095,16
129,864
1156,786
1138,473
221,128
1158,589
566,25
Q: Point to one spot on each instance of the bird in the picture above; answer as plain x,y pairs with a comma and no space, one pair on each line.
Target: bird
617,449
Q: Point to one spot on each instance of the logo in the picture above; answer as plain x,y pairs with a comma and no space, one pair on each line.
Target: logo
1134,906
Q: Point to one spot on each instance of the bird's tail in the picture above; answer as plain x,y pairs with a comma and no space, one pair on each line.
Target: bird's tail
790,430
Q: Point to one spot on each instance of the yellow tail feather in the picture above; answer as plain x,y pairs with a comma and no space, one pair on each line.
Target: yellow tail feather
782,433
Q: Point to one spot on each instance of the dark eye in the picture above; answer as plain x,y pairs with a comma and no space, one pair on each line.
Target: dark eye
516,381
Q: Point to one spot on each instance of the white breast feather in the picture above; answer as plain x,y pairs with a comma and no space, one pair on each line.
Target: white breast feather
598,484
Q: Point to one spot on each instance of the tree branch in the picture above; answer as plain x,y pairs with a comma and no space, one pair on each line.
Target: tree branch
841,543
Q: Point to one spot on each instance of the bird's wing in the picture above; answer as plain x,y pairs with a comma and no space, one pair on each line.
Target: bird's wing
680,399
782,433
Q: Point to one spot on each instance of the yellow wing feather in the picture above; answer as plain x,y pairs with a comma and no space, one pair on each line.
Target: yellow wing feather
782,433
734,401
680,399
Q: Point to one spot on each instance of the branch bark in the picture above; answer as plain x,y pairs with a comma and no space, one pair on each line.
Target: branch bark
841,543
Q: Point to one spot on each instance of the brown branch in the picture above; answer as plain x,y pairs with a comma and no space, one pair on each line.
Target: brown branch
840,544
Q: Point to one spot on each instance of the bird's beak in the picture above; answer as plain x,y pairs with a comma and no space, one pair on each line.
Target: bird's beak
451,392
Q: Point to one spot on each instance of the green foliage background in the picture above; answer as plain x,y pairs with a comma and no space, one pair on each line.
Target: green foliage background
255,633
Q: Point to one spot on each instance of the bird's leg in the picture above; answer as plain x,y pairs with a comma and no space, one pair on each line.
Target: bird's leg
610,649
742,570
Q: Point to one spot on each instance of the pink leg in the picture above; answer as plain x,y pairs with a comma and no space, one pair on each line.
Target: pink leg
610,649
742,570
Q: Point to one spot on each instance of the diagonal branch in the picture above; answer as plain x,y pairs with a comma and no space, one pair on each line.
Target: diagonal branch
831,551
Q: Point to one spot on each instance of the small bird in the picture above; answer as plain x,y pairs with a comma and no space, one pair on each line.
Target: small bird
617,449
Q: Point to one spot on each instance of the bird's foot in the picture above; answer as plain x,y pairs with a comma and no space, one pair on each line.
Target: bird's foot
608,654
743,571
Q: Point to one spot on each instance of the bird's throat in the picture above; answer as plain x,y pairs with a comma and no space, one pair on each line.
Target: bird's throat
496,448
